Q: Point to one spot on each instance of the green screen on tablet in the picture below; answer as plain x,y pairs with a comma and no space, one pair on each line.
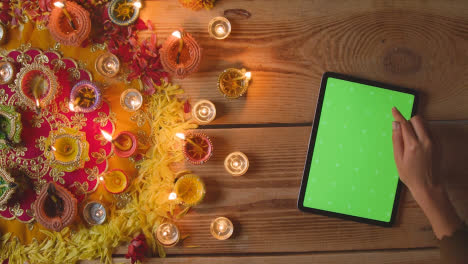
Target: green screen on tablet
350,170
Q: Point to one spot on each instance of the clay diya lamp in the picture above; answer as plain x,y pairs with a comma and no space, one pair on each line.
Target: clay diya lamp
124,144
190,189
219,28
115,181
236,163
10,127
3,33
181,54
8,187
124,12
221,228
197,147
36,86
7,72
203,112
85,97
233,83
55,208
94,213
69,23
66,149
167,234
107,64
131,100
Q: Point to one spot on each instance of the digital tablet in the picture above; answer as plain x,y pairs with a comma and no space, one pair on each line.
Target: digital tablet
350,171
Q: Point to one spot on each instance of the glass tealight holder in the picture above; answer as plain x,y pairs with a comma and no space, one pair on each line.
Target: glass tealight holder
107,65
3,33
94,213
236,163
167,234
7,72
219,28
222,228
131,100
203,112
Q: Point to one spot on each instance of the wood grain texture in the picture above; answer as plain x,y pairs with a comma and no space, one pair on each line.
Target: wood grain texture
262,204
289,44
426,256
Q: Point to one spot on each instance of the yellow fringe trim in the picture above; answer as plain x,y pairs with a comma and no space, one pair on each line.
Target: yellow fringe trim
148,208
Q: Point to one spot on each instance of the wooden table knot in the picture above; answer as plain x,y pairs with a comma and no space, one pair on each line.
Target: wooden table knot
402,61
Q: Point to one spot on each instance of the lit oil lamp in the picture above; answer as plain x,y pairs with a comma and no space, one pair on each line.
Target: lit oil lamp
7,187
115,181
69,23
85,97
222,228
203,112
190,189
236,163
124,12
180,36
197,148
10,127
62,6
233,83
7,72
124,145
131,100
219,28
94,213
167,234
3,33
107,65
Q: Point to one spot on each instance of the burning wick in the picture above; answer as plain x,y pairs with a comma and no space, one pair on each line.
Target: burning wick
179,35
183,137
246,76
65,12
38,107
107,136
172,196
137,4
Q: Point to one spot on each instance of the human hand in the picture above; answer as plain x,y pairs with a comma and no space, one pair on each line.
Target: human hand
412,149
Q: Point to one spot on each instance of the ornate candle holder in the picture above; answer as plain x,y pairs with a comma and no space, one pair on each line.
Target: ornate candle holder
7,187
36,85
181,54
190,189
3,33
197,148
85,97
233,83
236,163
7,72
115,181
131,100
124,145
66,149
203,112
167,234
107,64
94,213
219,28
69,23
55,207
222,228
124,12
10,126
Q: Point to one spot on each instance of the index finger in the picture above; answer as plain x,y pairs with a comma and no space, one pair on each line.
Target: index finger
406,128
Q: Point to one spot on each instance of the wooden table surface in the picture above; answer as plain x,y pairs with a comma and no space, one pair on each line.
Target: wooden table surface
288,45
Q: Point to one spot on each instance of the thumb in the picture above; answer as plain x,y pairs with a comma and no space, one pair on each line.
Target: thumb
398,144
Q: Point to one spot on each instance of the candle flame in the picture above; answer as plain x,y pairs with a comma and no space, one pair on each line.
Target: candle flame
248,75
37,103
53,148
71,106
101,178
180,135
106,135
177,34
137,4
172,196
59,4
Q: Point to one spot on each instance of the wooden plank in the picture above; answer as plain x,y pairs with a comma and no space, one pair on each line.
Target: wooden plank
289,44
427,256
262,204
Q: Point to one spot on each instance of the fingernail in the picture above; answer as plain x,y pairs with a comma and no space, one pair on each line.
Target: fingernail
395,125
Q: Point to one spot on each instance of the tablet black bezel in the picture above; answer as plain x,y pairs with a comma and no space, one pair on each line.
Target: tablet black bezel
313,136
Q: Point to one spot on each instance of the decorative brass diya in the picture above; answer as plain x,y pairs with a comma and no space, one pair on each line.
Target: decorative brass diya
55,207
36,85
8,186
198,148
69,23
66,149
124,12
181,54
10,126
7,72
85,97
233,83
